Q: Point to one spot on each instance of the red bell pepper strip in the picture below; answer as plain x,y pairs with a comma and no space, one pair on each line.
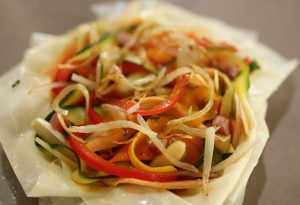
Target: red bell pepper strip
130,68
56,124
98,163
62,75
94,100
94,117
176,94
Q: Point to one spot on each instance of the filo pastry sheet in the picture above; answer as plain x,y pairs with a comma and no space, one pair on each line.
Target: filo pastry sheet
20,105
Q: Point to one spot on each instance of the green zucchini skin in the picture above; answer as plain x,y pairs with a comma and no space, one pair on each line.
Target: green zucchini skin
76,114
134,60
71,99
224,57
86,51
78,176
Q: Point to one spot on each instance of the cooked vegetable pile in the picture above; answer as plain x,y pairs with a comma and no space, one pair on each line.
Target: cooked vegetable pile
146,104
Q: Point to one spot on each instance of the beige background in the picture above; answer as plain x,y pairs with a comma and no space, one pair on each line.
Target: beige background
276,179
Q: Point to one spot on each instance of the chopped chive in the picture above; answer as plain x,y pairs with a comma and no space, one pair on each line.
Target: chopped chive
102,38
16,83
254,66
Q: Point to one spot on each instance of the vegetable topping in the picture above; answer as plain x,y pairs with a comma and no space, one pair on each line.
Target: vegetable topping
149,105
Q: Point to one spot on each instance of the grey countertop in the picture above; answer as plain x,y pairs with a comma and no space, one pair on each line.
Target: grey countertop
276,178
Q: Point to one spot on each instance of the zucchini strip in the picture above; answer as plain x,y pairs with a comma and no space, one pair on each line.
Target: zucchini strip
86,51
44,129
54,152
64,153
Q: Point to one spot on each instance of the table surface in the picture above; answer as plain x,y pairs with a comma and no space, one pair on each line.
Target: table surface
276,178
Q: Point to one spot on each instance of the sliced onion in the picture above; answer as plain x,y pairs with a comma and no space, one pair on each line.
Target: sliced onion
138,33
216,80
48,86
84,81
133,109
107,60
103,90
209,104
71,66
238,154
174,74
249,115
114,112
159,77
47,132
208,155
162,148
145,80
221,75
67,90
197,80
118,77
193,131
105,126
63,124
54,152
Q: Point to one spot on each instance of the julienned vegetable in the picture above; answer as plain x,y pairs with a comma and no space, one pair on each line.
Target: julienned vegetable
98,163
167,104
149,105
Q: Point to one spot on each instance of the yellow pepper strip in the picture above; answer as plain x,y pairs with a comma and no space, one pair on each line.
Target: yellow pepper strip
139,164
